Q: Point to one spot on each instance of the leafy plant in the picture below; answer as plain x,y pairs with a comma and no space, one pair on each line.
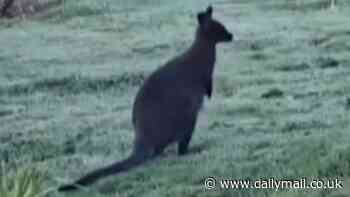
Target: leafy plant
25,182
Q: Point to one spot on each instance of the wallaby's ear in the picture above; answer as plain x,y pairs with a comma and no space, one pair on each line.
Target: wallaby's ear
203,16
209,11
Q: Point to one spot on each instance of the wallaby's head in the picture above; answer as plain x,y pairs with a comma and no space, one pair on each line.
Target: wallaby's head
212,29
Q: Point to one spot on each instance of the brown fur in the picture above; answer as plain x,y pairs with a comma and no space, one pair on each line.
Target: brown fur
166,107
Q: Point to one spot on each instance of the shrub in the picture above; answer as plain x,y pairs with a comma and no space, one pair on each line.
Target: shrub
25,182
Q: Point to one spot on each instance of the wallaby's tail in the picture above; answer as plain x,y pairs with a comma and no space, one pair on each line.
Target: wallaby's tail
120,166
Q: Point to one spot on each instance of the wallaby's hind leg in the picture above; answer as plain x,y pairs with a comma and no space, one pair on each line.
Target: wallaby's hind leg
184,143
185,140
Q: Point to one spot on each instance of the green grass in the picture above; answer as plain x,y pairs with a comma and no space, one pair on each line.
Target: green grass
27,182
69,76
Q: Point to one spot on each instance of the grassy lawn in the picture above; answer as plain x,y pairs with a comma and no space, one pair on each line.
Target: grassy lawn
280,107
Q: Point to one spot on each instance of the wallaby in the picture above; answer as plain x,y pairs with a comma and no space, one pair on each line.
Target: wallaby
166,107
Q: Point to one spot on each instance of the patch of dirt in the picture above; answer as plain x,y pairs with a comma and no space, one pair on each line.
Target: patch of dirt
273,93
22,8
327,62
259,56
319,41
306,95
5,112
296,67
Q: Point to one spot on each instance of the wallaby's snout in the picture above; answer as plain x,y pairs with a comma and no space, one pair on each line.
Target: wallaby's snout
229,37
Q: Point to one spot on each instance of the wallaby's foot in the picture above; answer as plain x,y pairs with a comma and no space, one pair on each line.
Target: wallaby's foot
184,143
158,151
183,147
182,152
